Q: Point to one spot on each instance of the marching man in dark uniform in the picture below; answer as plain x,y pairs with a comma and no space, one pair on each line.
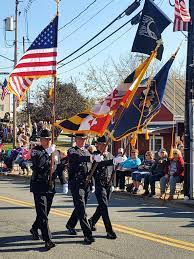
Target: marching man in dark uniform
103,176
39,186
79,161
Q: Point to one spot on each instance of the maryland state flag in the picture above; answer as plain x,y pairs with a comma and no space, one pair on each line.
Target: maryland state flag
122,94
85,123
152,23
141,111
115,98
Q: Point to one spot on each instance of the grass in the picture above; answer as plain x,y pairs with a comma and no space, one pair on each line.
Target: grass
62,145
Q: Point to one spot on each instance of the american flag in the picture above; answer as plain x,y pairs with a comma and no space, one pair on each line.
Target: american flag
4,90
19,85
181,16
38,61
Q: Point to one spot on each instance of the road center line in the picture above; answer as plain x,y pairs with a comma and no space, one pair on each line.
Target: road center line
120,228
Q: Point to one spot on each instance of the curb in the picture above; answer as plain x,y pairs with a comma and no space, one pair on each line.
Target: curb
176,203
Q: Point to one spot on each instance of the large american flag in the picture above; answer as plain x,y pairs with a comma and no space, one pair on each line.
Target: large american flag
181,16
4,90
38,61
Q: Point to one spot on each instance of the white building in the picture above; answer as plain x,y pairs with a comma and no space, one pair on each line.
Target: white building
4,105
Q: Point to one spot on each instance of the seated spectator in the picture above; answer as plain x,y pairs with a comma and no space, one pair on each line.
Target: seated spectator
127,167
24,155
173,173
8,161
117,161
181,148
143,169
156,172
24,161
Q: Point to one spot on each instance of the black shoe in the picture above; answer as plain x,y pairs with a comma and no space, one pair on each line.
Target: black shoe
34,233
111,235
151,194
88,240
146,193
93,228
71,231
135,191
49,244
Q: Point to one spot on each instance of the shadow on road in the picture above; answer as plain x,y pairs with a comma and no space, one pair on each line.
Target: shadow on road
25,243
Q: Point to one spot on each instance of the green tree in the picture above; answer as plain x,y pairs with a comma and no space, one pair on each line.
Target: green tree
69,101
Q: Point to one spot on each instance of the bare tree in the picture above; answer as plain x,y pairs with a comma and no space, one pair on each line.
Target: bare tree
100,81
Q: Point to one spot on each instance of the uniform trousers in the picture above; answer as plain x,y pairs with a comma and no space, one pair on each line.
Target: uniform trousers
102,195
79,195
43,202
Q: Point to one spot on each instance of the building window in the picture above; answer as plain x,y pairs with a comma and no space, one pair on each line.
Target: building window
1,107
156,143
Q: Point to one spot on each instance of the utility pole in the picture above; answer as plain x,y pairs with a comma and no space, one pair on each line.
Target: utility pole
189,109
15,62
27,94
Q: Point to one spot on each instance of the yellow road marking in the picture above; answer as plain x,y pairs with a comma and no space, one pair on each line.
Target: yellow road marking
120,228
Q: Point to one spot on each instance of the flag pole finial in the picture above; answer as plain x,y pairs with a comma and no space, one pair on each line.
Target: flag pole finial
57,2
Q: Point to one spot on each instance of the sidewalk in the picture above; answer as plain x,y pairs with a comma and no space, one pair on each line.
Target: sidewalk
180,202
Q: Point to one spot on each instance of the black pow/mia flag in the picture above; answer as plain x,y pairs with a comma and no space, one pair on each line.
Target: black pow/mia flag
152,23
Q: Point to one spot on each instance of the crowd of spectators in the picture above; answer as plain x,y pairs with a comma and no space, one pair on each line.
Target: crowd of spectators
132,173
146,172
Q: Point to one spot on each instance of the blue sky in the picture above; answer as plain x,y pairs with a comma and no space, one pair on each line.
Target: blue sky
42,11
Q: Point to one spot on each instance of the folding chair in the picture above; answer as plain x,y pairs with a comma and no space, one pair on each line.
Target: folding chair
177,192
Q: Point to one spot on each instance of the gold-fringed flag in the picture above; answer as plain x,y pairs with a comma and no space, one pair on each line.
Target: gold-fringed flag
133,88
85,123
143,106
118,95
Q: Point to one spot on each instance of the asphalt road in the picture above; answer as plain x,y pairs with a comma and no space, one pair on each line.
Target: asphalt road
146,228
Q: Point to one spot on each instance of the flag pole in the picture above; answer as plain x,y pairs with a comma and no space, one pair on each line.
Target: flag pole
189,110
121,110
15,63
53,117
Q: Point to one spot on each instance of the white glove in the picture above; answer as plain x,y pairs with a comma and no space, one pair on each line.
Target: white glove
112,188
93,189
98,158
118,160
65,188
51,149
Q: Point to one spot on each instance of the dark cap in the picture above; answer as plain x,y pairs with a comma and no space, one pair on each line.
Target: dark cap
102,139
79,135
45,133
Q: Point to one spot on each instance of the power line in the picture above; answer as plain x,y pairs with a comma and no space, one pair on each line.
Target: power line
30,2
113,21
86,21
7,58
77,15
89,59
97,43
